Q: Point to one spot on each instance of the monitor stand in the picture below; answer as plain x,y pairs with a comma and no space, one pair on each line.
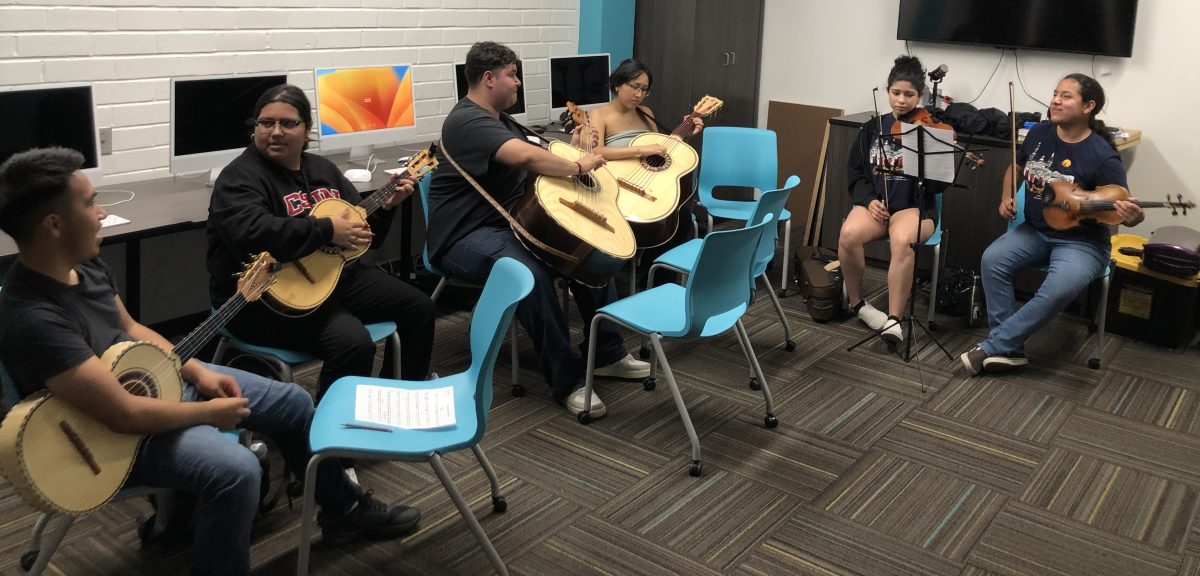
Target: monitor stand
362,154
212,176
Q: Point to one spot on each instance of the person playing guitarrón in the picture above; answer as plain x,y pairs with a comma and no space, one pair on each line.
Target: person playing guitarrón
59,310
261,203
467,234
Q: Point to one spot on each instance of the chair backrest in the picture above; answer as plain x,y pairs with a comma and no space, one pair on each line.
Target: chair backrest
508,283
771,202
423,193
1019,204
717,293
734,156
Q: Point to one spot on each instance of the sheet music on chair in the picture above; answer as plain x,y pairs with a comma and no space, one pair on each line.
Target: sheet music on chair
411,409
939,161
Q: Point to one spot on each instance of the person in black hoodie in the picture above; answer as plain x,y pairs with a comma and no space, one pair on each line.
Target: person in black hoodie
261,202
875,166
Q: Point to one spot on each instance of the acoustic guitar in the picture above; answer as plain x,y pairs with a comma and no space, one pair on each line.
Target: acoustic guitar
650,186
577,218
305,283
61,460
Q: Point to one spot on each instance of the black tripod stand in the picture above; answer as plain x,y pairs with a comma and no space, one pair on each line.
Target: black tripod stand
909,320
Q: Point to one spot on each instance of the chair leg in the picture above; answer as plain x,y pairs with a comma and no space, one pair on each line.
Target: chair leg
784,283
44,551
710,225
788,344
695,468
307,504
437,291
566,300
499,504
1101,316
222,347
585,417
933,285
394,340
633,268
469,517
517,389
769,420
285,371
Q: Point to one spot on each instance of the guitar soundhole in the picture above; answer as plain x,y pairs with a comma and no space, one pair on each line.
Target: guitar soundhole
656,162
331,249
586,181
139,383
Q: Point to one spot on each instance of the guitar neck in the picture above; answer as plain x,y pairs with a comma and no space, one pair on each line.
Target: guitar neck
685,127
192,343
379,198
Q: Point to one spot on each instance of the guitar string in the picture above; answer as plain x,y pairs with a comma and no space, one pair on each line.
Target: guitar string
643,176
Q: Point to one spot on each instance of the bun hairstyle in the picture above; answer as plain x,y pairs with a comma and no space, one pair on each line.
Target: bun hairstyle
1090,90
908,69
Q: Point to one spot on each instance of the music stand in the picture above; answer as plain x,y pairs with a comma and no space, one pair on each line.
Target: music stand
909,318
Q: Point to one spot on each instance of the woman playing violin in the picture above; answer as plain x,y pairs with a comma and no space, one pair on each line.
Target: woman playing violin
885,202
1072,146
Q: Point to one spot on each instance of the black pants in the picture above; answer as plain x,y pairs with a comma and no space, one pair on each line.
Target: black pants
334,332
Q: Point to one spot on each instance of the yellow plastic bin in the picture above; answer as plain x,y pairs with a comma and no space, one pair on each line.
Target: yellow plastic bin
1148,305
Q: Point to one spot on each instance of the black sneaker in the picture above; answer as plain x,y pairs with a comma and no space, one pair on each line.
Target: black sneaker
1004,362
973,359
371,519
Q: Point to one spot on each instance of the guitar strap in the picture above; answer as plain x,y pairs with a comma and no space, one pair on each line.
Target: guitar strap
524,234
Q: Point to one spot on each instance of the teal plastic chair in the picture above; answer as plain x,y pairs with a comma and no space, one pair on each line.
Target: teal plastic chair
283,359
733,156
716,296
1097,325
444,280
508,283
683,257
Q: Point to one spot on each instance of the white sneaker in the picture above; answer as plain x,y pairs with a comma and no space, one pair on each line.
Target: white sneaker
352,475
629,368
574,404
871,316
892,333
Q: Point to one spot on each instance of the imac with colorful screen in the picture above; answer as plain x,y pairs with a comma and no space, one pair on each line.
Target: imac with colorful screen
211,120
42,117
517,111
580,79
358,108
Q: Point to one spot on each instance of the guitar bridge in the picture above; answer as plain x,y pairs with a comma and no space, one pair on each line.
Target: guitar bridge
588,213
630,186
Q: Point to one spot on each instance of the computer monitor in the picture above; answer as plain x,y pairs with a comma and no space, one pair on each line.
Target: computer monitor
580,79
41,117
360,107
517,111
210,119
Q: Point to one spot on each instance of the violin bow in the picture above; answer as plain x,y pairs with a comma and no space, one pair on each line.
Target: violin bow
879,143
1012,113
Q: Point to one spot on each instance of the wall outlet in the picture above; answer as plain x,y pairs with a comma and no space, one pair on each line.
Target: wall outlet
105,141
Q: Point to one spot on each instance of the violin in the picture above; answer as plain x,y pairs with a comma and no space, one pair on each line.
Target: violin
1069,204
922,117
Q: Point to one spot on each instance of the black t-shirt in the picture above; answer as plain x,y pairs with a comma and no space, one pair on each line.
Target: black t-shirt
47,327
1090,163
455,208
873,159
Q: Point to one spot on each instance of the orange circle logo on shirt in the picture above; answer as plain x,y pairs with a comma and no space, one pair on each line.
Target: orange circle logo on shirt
1066,162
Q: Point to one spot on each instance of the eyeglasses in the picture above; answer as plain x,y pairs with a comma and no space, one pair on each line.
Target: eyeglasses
268,124
643,90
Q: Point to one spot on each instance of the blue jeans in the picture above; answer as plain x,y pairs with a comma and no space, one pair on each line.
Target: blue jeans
1071,266
225,476
471,259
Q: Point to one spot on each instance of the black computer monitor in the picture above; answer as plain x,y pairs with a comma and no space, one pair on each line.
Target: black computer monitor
580,79
55,116
516,110
209,119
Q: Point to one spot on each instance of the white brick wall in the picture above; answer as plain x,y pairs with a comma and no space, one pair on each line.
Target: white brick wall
129,50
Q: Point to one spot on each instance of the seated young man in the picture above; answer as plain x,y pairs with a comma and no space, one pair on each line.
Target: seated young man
467,234
59,311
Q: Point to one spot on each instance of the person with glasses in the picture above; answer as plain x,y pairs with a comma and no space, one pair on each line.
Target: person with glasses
262,201
624,118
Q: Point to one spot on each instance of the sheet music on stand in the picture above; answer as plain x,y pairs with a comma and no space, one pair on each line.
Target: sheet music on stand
939,156
411,409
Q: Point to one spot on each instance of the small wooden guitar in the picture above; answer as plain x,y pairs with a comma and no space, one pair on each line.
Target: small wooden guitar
650,185
577,217
304,284
61,460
